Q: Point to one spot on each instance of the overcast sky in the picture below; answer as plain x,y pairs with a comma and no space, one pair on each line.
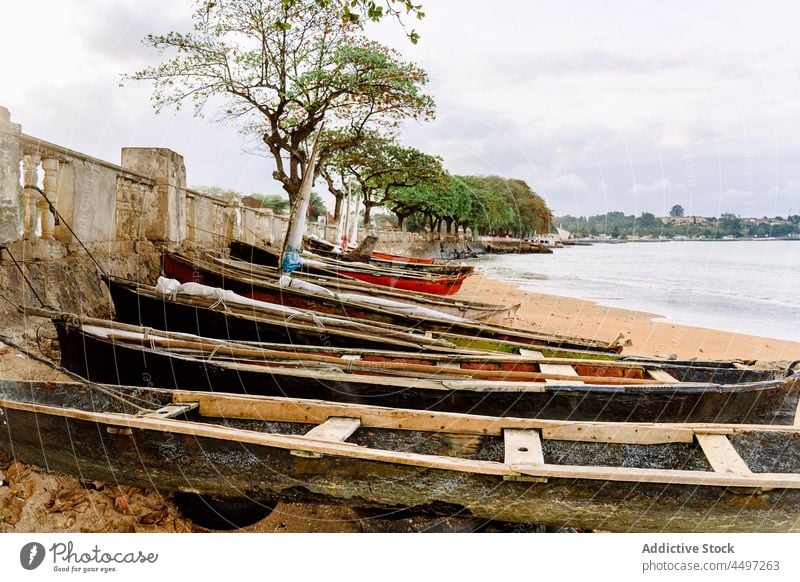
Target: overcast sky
632,106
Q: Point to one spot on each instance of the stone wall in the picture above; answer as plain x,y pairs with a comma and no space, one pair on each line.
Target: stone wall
10,155
71,284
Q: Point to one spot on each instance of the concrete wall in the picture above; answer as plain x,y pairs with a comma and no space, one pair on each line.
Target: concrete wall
10,154
92,191
71,284
143,198
165,215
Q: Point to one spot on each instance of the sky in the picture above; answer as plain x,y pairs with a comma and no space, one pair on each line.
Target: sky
630,106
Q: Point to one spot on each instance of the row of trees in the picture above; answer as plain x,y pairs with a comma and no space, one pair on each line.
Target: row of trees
283,70
488,205
620,225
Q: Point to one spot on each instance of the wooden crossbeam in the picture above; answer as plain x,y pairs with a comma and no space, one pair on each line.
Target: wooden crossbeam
560,370
172,410
663,376
523,446
531,353
720,453
447,365
336,429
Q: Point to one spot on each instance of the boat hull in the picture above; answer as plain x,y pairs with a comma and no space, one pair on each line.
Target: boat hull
469,335
103,360
419,283
67,434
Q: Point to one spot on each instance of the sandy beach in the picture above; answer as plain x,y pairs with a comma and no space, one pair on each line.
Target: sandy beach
32,500
576,317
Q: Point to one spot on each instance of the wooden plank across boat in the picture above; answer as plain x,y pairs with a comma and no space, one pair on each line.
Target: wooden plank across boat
627,477
122,354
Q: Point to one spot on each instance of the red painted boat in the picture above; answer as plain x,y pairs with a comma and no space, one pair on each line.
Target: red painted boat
434,285
442,285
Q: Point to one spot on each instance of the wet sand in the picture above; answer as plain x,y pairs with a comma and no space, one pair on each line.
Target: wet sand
587,319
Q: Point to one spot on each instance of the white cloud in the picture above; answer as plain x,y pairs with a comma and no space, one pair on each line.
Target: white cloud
592,104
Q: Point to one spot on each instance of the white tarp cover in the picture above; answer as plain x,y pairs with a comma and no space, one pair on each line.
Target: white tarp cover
287,281
408,308
168,287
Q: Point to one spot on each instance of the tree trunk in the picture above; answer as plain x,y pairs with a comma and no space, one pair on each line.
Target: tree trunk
367,214
448,226
337,208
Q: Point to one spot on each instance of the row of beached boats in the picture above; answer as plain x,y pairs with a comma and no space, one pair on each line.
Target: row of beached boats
229,381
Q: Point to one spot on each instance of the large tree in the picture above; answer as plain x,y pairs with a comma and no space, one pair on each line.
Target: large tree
279,69
676,211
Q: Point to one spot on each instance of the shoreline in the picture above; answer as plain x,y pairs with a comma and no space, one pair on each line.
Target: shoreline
31,493
588,319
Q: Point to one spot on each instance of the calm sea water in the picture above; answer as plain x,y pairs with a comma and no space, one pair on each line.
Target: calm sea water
740,286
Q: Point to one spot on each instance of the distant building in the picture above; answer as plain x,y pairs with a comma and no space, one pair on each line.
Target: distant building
682,220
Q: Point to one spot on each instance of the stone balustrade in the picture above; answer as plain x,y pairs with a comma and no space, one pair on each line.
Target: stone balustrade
145,198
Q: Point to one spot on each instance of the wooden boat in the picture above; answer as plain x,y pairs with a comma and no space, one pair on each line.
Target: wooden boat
446,284
465,334
184,265
376,258
115,353
206,316
609,476
140,305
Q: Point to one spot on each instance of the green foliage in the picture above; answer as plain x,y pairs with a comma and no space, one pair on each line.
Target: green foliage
279,204
647,225
676,211
488,204
280,68
316,207
377,166
353,10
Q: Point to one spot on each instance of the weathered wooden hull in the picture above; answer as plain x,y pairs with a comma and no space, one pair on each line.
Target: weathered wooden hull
419,282
159,312
85,432
469,309
167,314
102,359
471,335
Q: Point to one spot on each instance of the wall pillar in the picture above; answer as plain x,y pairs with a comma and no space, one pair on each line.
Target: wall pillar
10,155
50,166
165,206
30,197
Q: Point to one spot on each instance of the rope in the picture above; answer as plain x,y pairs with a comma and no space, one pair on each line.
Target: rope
58,216
24,276
214,352
99,387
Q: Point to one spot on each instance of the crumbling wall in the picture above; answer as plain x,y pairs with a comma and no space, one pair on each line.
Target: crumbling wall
72,284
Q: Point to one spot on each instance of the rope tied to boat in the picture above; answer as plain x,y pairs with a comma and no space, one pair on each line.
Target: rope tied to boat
314,318
107,390
220,296
147,338
71,319
213,352
25,277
